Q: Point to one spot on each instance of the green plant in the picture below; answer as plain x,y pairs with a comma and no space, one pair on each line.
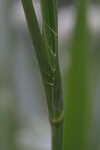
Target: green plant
76,100
46,46
76,104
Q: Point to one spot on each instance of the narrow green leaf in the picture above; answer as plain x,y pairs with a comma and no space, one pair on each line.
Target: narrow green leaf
36,36
76,88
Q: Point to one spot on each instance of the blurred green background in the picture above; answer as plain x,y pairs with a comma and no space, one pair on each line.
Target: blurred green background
23,113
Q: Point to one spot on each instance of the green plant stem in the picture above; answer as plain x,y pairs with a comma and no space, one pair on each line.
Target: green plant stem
50,24
46,47
57,136
54,92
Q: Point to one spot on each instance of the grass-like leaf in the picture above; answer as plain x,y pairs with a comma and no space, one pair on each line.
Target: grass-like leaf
46,47
76,97
36,36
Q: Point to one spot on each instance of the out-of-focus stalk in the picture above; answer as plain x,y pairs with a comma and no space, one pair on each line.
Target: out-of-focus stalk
76,103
